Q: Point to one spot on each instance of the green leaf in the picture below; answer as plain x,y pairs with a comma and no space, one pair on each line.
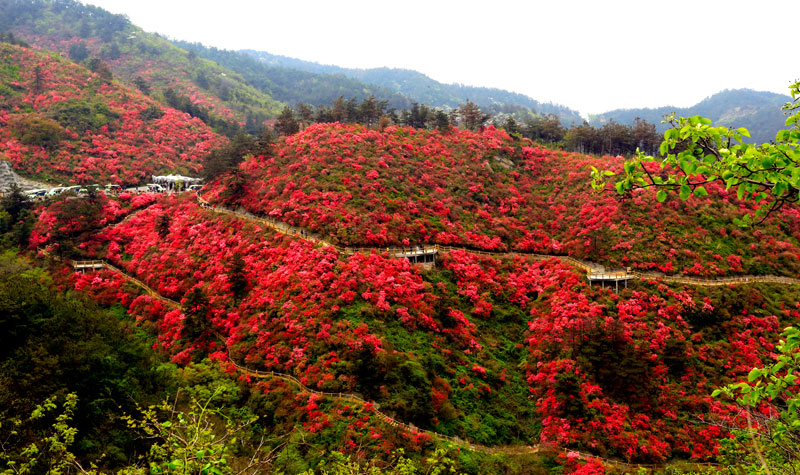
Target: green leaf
700,192
743,131
629,166
608,173
661,196
685,192
755,373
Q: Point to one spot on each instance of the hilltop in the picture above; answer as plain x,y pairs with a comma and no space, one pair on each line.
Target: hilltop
757,111
423,89
64,123
294,86
486,191
219,96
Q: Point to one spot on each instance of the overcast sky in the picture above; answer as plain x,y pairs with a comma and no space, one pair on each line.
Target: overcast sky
592,56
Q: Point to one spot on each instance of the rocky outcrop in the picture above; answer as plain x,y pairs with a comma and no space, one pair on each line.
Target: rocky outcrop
8,177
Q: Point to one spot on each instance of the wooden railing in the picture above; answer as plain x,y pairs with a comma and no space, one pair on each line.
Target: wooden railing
593,271
95,264
358,399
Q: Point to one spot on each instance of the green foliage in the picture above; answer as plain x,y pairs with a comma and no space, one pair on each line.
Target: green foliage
771,404
15,218
78,51
34,129
758,111
195,440
56,344
236,276
229,156
287,123
82,115
50,448
697,153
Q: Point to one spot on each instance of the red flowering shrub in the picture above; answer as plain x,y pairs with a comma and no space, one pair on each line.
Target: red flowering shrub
402,186
107,137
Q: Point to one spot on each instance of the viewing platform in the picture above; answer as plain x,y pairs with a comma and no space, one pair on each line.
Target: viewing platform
616,276
417,255
88,265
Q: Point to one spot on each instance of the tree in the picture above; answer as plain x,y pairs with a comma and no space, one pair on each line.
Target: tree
195,308
97,66
306,114
78,51
472,115
441,121
228,157
771,406
511,126
545,129
287,123
696,153
162,224
141,83
236,275
34,129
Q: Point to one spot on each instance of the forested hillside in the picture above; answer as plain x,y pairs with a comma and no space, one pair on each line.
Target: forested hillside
183,80
422,89
757,111
62,122
295,86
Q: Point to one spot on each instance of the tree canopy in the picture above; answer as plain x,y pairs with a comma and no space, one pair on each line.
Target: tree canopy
695,153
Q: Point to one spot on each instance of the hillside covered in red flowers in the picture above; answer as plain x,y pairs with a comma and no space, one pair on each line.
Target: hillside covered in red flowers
62,122
403,186
143,60
498,351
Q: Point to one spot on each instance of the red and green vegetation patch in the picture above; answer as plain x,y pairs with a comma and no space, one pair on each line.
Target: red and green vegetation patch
155,65
60,121
401,186
499,351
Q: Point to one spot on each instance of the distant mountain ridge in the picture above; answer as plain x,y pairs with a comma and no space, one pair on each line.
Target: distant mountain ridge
291,85
217,95
423,89
758,111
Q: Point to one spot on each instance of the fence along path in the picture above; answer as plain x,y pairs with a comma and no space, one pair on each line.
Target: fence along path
357,399
593,270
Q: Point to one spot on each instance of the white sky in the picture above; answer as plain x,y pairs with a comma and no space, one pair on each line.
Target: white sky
592,56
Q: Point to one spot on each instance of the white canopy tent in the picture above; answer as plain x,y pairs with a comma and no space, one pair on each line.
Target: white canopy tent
170,182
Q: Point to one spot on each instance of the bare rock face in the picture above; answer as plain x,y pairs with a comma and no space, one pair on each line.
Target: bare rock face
8,177
504,162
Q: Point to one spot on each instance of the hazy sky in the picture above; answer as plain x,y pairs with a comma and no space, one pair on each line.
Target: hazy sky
592,56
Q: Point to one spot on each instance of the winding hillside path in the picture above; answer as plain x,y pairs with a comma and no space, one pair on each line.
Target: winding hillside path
594,272
92,265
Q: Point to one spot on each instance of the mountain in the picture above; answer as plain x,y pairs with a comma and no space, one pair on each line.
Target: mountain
292,85
422,89
201,87
63,122
758,111
504,349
